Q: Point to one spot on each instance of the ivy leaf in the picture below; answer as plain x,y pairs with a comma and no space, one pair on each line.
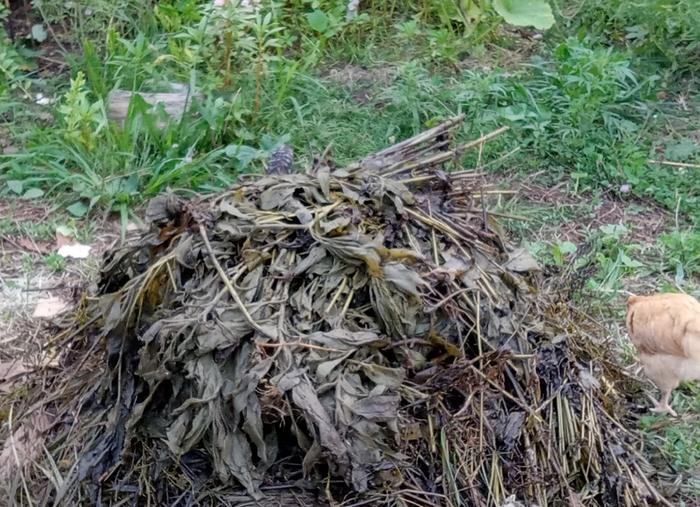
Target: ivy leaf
16,186
318,21
33,193
39,33
535,13
77,209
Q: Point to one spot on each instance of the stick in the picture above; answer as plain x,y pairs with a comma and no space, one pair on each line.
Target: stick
423,136
674,164
298,344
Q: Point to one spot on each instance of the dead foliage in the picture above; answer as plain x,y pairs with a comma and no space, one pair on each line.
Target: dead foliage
359,335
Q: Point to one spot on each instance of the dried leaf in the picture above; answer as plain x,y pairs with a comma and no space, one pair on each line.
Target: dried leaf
10,372
377,408
403,278
24,445
342,339
305,398
32,245
49,307
522,261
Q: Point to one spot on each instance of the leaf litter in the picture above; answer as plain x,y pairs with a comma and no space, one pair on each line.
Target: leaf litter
358,335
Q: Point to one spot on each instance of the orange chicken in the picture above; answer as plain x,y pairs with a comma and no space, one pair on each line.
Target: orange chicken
665,329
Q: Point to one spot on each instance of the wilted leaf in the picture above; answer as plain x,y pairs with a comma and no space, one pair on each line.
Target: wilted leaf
33,245
383,375
9,372
49,307
522,261
305,398
276,197
343,339
377,408
324,369
403,278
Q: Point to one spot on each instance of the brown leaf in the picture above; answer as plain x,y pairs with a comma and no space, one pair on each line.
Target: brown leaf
62,240
306,398
32,245
49,307
522,261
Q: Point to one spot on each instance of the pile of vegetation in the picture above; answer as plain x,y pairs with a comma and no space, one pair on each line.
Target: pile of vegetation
357,333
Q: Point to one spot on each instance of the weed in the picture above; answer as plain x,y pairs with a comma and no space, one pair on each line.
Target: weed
681,250
555,253
13,68
664,32
80,20
83,120
680,440
55,262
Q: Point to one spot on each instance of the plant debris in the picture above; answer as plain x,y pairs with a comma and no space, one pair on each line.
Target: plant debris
358,335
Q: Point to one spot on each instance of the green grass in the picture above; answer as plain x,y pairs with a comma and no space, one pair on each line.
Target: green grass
679,439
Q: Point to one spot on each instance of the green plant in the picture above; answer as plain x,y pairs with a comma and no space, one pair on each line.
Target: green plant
13,68
681,249
560,250
580,109
663,32
82,20
173,15
680,441
555,253
468,15
55,262
677,189
83,119
612,257
90,164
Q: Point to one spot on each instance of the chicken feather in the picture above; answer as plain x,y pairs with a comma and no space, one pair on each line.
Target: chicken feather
665,330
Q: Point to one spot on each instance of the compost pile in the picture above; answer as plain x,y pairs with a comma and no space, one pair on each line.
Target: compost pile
358,335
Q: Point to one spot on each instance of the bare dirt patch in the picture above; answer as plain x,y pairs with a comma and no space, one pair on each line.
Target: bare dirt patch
29,282
361,82
644,219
